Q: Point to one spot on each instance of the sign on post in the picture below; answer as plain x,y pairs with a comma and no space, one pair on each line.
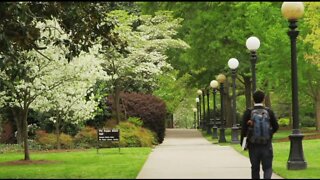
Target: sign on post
108,135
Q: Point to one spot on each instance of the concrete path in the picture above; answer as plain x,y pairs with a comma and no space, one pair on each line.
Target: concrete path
185,154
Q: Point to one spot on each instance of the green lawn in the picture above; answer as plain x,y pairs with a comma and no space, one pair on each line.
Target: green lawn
109,163
311,150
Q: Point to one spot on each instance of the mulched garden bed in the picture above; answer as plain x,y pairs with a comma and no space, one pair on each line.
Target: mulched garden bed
61,150
28,162
310,136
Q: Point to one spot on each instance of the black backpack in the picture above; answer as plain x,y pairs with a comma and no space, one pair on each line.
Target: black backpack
261,131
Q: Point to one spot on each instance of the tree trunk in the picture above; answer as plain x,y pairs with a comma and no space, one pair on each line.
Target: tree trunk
124,109
25,133
267,100
247,85
318,111
117,102
16,113
58,133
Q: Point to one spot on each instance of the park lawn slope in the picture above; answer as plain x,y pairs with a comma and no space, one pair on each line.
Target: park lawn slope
109,163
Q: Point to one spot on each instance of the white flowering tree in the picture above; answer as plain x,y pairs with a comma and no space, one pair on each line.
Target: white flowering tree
73,102
36,74
148,38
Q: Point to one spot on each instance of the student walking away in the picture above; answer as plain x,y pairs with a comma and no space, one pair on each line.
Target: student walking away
258,126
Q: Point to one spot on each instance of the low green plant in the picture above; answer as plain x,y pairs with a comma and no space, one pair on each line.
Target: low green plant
66,141
46,140
307,121
134,136
86,137
49,140
5,148
283,122
136,121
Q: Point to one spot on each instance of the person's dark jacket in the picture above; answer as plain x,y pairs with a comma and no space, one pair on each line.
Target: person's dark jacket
247,115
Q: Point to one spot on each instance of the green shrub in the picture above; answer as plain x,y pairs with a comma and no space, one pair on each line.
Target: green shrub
147,137
134,136
46,140
151,109
307,121
136,121
284,122
49,140
66,141
5,148
128,137
131,135
86,137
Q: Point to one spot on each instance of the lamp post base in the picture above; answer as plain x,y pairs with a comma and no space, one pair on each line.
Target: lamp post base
235,139
214,132
200,125
204,126
209,126
222,137
296,158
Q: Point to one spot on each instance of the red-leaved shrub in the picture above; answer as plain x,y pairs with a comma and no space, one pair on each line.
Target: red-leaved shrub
150,109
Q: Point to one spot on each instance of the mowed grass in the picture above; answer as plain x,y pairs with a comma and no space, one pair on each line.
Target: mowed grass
109,163
281,150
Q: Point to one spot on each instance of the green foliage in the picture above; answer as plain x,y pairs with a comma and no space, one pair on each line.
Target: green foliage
131,135
19,30
214,41
183,115
136,121
49,140
307,121
283,122
6,148
86,137
312,18
135,136
173,90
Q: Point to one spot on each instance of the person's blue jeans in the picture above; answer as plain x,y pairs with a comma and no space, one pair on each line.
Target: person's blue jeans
261,154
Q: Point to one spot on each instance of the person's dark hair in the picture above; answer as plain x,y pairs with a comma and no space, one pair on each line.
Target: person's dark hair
258,96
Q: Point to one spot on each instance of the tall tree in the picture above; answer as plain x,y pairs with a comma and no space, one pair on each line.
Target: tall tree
81,20
73,102
148,38
36,73
312,55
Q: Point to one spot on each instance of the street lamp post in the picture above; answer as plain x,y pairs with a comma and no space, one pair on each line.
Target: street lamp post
293,11
204,110
198,112
194,118
221,78
233,64
208,123
214,84
199,92
253,44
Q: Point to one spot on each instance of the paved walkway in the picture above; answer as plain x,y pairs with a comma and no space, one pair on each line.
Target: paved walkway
185,154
